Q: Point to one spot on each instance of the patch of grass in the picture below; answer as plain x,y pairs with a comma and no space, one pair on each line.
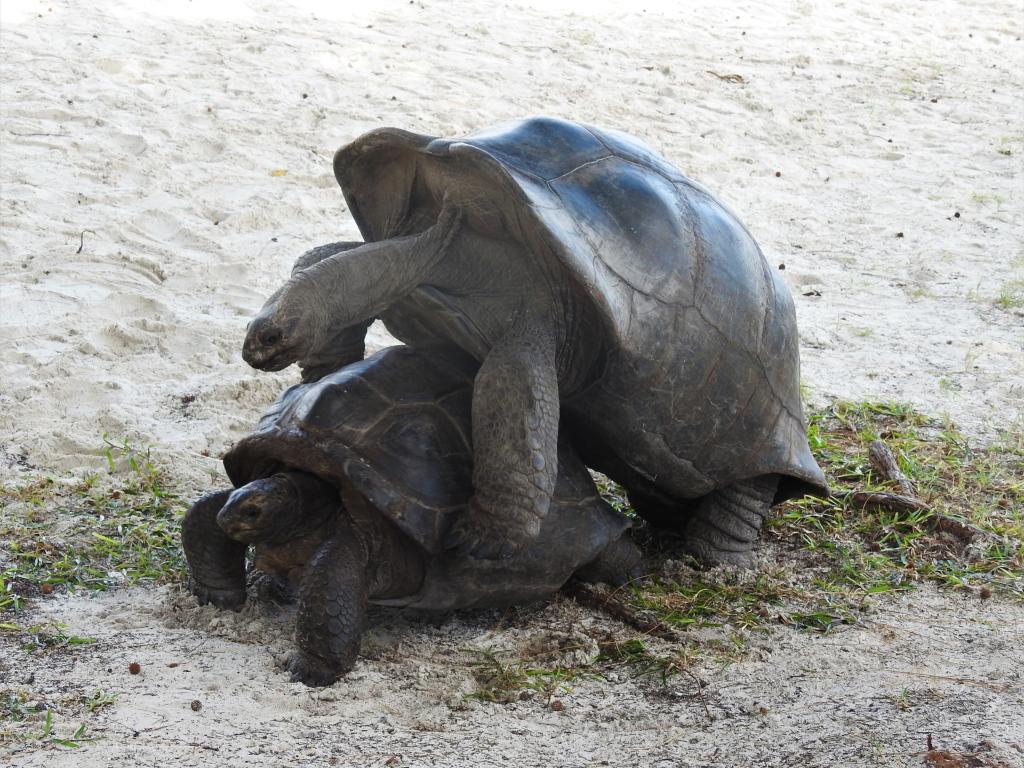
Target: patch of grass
503,679
837,558
986,198
635,656
91,533
613,493
49,736
770,598
14,706
875,550
98,700
43,637
33,725
1011,295
747,605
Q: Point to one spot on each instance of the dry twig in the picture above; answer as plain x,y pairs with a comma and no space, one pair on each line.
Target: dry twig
884,462
728,78
585,594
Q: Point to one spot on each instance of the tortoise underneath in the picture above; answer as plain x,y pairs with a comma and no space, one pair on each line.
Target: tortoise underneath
348,488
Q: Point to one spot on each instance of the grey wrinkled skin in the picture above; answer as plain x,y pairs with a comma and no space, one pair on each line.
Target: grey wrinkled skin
349,488
598,288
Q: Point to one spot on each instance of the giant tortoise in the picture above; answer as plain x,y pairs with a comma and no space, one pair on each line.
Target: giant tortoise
594,283
349,486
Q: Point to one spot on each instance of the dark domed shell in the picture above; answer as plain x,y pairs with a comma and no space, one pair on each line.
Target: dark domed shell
395,425
656,254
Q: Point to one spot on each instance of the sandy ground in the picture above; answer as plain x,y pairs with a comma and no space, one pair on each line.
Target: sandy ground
162,168
868,696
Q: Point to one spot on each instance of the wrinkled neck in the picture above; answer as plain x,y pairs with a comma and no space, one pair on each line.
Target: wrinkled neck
314,503
394,562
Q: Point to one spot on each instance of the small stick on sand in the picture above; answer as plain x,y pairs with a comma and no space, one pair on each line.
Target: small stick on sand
81,239
584,594
884,462
887,501
728,78
700,695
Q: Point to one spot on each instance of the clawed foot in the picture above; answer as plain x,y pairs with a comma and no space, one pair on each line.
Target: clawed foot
268,588
229,599
312,671
726,523
711,554
620,563
483,535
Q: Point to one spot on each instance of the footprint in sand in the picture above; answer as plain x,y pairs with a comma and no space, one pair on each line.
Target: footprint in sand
150,325
47,114
813,337
130,143
123,338
165,229
110,66
207,150
148,268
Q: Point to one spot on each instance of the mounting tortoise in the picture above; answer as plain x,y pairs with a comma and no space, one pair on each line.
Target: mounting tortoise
348,487
595,284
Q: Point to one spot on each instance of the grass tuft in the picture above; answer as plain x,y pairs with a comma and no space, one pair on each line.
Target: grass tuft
833,559
979,489
1011,295
503,679
92,533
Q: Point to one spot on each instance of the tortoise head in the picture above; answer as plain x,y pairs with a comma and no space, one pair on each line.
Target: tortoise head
346,289
289,324
275,509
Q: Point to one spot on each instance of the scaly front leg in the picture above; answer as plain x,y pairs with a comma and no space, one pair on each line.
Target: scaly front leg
342,344
332,609
515,444
216,563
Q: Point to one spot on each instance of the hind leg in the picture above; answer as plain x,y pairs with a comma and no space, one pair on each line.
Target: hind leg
620,562
216,563
726,523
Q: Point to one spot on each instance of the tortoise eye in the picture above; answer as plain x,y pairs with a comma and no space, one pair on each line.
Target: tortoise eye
270,337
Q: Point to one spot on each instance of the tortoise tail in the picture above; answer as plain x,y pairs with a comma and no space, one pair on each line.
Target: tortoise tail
619,563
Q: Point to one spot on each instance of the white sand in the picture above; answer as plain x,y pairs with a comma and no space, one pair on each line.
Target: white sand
160,135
